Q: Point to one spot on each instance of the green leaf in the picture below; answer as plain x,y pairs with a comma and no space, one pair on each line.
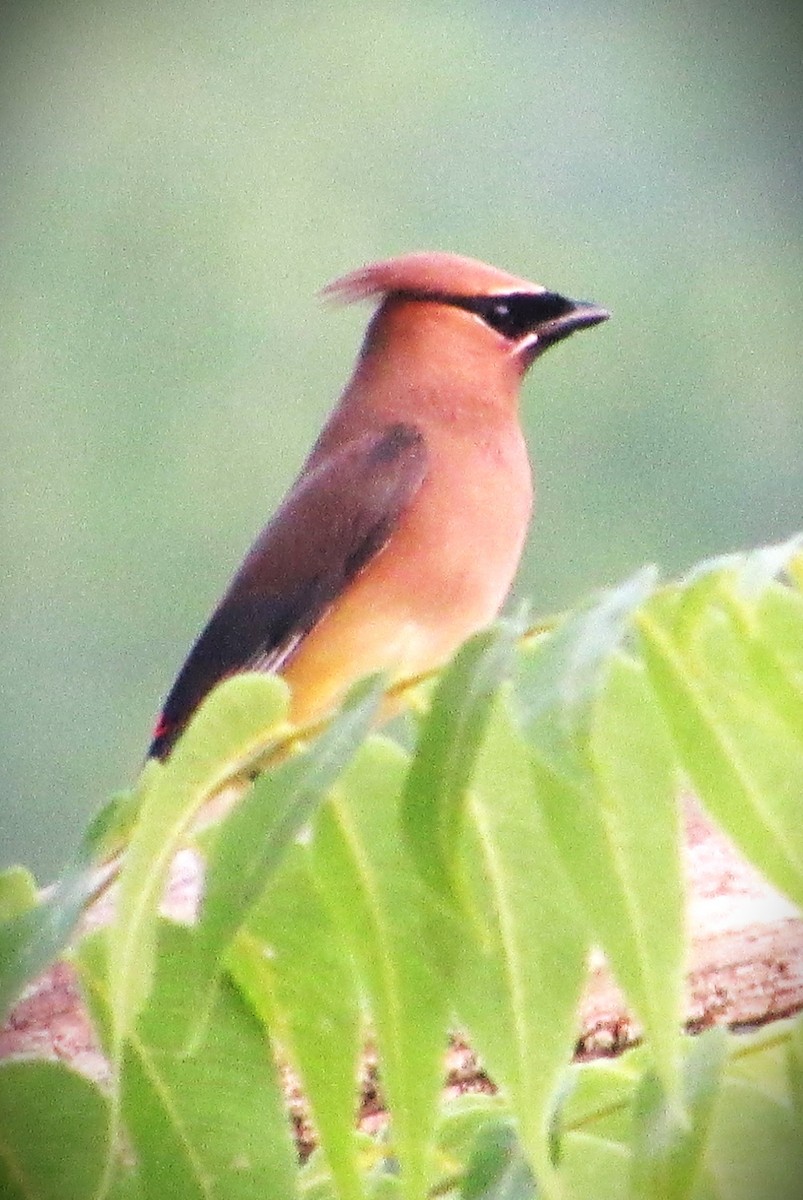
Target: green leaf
54,1127
210,1125
433,807
125,1186
599,1095
772,626
761,1058
314,1180
497,1169
743,760
755,1148
668,1141
736,1136
634,898
518,986
750,572
363,868
758,568
233,726
18,893
558,678
462,1118
385,1186
617,829
292,965
736,643
794,1068
267,819
31,940
112,825
794,569
594,1168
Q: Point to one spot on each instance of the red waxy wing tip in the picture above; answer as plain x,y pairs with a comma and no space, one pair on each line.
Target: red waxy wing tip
160,728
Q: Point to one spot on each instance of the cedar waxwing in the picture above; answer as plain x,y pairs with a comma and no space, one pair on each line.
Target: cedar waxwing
403,532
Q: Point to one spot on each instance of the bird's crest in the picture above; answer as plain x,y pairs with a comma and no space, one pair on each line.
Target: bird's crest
424,272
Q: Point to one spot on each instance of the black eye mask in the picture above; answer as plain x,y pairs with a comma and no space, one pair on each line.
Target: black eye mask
517,313
513,314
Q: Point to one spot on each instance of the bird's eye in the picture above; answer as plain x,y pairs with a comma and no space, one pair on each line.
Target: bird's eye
519,313
513,315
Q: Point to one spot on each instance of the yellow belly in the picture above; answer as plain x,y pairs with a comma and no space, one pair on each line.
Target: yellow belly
444,574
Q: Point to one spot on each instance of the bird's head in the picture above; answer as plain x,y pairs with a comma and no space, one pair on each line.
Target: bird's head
458,309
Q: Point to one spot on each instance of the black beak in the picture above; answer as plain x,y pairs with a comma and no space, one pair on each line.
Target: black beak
577,314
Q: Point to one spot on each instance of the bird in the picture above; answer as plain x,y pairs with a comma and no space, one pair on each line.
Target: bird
403,531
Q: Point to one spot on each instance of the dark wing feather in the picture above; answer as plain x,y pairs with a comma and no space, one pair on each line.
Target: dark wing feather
338,515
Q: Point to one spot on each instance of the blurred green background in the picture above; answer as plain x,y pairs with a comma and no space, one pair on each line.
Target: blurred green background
179,178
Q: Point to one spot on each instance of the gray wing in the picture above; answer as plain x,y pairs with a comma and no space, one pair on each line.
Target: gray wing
334,520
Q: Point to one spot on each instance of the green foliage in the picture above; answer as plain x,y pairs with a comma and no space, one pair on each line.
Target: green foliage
441,771
385,919
45,1105
518,976
359,890
34,933
224,741
255,837
669,1139
200,1124
292,967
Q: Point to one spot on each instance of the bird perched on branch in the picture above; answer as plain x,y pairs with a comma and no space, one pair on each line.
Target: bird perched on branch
403,532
